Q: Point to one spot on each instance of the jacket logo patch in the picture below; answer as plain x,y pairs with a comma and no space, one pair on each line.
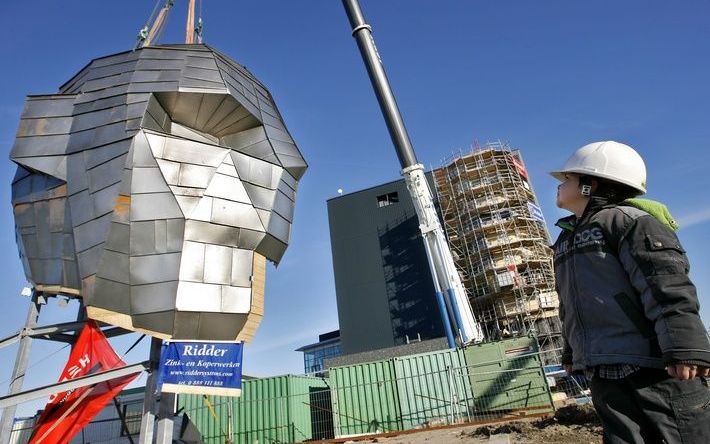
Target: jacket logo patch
585,238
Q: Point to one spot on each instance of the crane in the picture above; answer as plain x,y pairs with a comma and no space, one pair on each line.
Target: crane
450,294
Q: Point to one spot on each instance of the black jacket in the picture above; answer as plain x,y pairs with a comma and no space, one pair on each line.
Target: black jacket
625,295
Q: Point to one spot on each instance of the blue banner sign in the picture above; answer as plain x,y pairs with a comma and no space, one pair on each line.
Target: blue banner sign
205,368
536,212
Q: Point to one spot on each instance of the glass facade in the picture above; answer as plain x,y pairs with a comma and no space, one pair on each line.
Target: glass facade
313,358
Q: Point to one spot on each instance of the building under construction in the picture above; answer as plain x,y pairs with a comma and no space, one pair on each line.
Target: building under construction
500,243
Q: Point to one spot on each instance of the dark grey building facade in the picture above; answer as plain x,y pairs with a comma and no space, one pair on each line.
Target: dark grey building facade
383,284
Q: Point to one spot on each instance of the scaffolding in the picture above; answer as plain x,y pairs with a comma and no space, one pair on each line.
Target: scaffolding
500,243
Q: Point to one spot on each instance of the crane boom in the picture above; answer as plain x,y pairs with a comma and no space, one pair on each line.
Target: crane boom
447,282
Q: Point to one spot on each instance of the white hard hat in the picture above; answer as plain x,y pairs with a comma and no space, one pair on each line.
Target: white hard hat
609,160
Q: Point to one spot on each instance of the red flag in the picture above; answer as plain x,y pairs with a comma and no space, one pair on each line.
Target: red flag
520,167
68,412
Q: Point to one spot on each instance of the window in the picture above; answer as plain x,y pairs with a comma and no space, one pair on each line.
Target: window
387,199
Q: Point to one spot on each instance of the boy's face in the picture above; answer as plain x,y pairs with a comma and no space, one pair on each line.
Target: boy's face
568,194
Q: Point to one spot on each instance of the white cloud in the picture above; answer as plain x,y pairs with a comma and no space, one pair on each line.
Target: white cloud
695,218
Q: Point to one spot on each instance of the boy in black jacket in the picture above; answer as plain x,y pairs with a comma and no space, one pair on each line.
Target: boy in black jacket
629,311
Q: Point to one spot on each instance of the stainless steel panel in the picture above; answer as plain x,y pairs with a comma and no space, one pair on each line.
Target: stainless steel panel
186,325
211,75
82,207
208,106
203,210
170,171
105,200
235,299
261,150
111,295
199,85
245,138
97,156
151,298
272,248
192,263
99,104
39,146
161,236
235,214
275,130
260,197
154,206
142,238
240,125
183,110
279,228
283,206
44,126
265,216
221,326
156,144
175,231
142,155
201,62
187,191
154,268
186,151
227,187
225,108
149,122
118,238
187,204
113,266
249,239
153,87
290,180
159,65
188,133
218,264
211,233
24,215
242,265
193,296
51,165
287,190
195,176
88,259
148,180
86,121
162,322
110,133
48,106
92,233
108,173
227,168
295,166
99,83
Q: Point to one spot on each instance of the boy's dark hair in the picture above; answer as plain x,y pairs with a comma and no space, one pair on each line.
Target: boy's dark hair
613,192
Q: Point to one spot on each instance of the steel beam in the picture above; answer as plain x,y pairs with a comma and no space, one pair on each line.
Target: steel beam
10,401
18,373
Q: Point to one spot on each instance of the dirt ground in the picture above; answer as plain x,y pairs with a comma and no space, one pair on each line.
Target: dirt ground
577,424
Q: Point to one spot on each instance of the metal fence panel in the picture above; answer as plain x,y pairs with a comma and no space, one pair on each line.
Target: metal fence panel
365,398
432,390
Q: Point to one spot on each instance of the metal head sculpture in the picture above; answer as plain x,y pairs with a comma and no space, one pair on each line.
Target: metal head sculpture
154,185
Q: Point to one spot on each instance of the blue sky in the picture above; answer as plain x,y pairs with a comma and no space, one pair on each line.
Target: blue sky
547,77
